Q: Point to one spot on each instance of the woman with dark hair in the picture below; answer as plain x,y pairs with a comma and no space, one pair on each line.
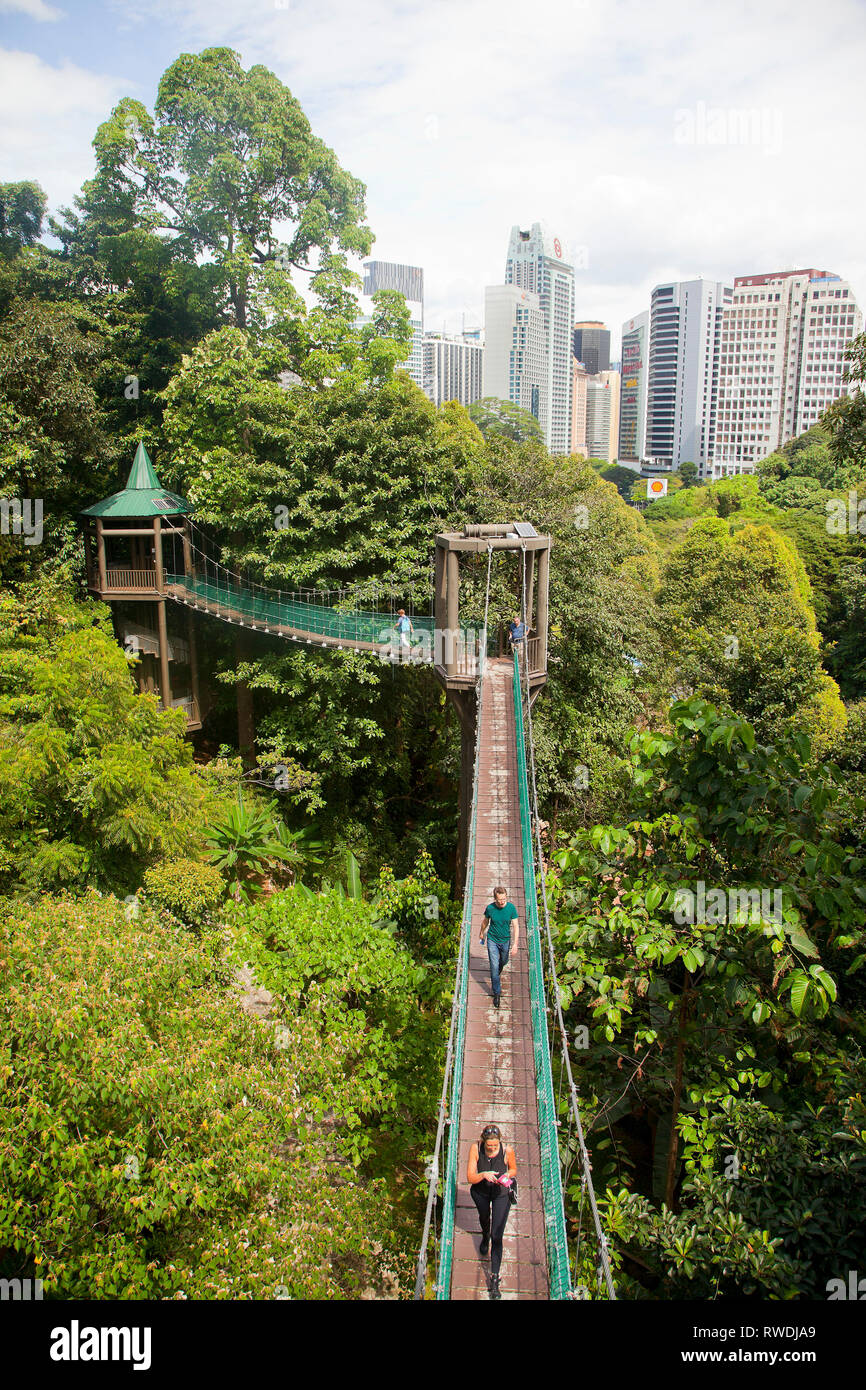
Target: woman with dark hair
491,1174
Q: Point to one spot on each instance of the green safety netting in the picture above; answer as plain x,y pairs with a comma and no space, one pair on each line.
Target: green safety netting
271,609
558,1272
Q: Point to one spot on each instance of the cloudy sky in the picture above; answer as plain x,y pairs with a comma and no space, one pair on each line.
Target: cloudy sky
660,140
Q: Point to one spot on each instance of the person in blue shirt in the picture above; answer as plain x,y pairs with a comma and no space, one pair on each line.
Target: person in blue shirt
516,632
404,627
500,933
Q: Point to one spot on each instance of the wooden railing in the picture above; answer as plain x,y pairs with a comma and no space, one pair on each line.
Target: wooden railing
533,652
145,639
129,579
189,705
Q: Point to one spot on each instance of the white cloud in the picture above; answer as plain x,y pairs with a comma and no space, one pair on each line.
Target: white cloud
48,118
466,116
35,9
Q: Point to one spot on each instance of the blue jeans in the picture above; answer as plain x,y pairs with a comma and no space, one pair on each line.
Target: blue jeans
497,954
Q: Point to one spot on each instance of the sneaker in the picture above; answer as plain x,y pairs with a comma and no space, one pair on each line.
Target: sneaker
494,1286
496,999
485,1246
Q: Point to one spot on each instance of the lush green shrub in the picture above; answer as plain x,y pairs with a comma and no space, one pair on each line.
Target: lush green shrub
187,889
156,1141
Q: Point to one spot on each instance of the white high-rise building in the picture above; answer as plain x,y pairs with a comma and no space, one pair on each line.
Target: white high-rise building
685,328
579,379
780,362
407,280
535,263
515,359
453,368
602,415
633,392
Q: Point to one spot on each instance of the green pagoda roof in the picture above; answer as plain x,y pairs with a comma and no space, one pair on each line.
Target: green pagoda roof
143,495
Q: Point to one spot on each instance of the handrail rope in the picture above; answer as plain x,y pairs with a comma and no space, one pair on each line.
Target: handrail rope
556,1237
459,992
294,595
585,1160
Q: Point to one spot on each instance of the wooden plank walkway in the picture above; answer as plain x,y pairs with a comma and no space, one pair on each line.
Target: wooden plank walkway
498,1062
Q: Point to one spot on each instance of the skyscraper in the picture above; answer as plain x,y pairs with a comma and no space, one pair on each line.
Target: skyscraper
685,328
535,264
579,379
453,368
632,410
592,346
408,280
602,415
780,361
515,360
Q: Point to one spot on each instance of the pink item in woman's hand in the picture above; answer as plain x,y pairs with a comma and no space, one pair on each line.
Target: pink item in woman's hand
504,1181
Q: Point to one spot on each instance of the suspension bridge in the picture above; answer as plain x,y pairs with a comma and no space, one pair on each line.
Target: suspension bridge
509,1066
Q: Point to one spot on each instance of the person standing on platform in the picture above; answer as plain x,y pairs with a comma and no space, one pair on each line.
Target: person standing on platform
500,933
516,632
491,1173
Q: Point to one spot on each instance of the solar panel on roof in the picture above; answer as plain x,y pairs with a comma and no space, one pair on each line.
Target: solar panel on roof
525,528
165,504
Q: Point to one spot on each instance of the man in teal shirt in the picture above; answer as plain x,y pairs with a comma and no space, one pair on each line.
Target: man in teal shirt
501,933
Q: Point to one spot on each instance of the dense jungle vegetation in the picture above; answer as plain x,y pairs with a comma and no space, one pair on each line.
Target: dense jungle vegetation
704,721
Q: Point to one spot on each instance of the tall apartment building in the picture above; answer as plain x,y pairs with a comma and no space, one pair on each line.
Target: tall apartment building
515,357
602,415
781,361
684,338
579,379
535,264
633,389
592,346
408,280
453,368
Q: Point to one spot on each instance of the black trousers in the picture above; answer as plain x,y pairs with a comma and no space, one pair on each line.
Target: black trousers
493,1212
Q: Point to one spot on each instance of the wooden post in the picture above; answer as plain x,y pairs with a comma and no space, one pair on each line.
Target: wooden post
543,586
452,615
88,554
164,679
439,603
187,551
193,660
100,555
157,553
530,590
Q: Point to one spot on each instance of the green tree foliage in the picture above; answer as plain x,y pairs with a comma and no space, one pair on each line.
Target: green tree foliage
160,1143
845,420
226,157
55,445
623,479
698,993
97,783
688,474
741,629
22,212
505,419
333,961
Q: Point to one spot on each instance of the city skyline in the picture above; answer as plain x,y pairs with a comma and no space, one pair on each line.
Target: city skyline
694,164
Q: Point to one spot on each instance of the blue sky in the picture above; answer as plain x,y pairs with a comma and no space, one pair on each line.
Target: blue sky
658,140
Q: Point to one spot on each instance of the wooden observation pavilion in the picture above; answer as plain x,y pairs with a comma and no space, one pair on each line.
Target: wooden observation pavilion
455,665
123,540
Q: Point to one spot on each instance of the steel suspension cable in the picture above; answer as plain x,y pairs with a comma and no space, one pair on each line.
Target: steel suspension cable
604,1265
